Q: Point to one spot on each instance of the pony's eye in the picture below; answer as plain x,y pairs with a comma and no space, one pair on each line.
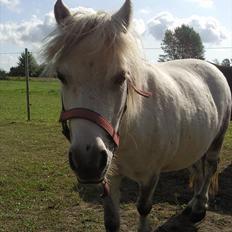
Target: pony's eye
61,77
120,78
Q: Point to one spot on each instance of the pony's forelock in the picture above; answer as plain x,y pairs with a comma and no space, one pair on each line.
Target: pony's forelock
105,32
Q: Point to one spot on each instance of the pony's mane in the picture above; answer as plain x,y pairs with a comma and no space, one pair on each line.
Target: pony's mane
106,31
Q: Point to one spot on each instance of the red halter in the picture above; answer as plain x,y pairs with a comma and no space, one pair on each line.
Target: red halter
94,117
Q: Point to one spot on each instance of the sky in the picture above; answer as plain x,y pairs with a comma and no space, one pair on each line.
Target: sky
25,23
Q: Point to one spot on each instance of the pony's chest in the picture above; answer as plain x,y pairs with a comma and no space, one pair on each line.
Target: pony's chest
139,161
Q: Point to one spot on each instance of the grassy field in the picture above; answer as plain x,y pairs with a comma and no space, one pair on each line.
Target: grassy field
38,192
44,100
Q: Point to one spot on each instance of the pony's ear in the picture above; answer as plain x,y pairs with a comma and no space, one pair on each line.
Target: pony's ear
123,16
61,12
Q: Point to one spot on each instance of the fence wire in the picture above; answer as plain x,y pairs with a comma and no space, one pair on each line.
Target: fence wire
45,95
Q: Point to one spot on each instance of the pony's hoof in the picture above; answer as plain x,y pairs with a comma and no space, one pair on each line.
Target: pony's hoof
197,217
187,211
112,228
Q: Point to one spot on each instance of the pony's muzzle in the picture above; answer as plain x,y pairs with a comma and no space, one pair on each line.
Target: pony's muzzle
89,164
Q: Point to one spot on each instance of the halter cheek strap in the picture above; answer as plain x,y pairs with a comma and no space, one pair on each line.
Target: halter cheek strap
94,117
143,93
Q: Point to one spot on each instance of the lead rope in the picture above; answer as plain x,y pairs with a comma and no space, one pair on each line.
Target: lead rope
106,189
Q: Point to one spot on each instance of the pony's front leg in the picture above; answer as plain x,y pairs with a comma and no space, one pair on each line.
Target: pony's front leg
144,203
111,205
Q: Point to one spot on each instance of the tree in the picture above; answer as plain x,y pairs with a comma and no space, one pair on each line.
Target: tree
19,70
226,62
183,43
40,71
3,75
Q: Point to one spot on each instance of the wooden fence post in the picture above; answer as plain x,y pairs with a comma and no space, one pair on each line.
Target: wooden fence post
27,85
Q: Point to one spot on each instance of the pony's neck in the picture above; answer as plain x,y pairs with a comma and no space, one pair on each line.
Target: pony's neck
136,98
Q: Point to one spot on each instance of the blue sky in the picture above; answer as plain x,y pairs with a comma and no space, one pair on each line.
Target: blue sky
24,23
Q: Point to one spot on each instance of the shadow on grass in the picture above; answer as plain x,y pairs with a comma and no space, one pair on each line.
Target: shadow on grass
169,183
223,200
172,188
178,223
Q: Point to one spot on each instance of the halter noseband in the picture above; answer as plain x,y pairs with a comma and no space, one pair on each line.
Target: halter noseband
87,114
92,116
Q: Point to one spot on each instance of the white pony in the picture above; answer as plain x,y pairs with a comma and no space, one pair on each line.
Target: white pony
170,115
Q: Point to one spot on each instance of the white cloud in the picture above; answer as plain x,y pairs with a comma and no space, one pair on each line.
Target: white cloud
11,4
159,24
139,26
209,28
203,3
32,31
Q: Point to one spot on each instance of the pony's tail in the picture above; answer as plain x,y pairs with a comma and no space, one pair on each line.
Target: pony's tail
192,179
213,189
197,174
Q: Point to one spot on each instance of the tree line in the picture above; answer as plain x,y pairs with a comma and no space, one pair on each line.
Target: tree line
35,69
184,42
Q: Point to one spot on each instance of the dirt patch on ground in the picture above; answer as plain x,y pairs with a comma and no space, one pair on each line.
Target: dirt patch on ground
171,196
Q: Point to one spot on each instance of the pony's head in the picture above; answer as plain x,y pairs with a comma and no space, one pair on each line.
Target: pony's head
95,58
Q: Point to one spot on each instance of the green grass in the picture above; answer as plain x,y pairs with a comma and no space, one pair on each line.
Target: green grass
37,188
38,191
44,100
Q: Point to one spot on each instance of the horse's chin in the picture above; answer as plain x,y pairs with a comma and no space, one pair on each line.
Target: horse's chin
91,182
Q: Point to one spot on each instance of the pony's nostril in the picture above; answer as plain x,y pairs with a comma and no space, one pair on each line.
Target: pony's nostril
103,159
88,147
71,163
